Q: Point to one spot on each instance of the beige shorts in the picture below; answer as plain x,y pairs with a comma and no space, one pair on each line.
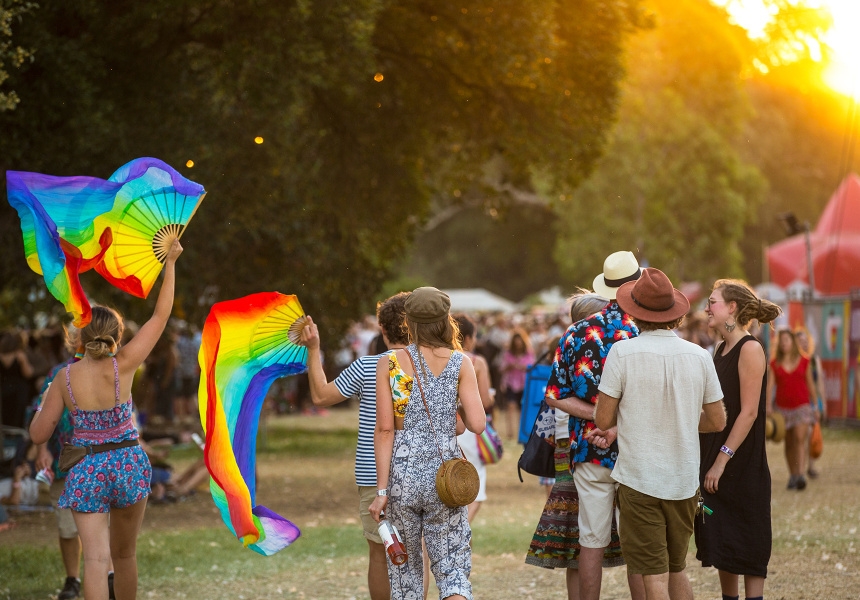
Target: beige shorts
65,521
596,490
366,495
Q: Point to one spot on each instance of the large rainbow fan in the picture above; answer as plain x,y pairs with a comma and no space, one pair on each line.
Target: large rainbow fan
122,227
247,344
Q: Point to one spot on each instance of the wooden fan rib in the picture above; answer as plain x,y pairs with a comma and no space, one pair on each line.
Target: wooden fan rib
265,334
276,328
169,206
145,212
148,230
193,212
182,208
139,255
164,218
291,310
133,263
144,274
267,347
142,244
279,357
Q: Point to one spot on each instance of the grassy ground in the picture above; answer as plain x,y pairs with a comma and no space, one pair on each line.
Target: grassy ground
305,474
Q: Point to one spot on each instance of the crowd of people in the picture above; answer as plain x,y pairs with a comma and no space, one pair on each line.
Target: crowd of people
660,426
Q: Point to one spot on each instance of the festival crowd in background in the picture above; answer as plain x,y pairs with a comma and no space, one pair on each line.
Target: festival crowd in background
502,347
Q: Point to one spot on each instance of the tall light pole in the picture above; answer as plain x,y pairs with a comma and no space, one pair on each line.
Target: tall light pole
792,227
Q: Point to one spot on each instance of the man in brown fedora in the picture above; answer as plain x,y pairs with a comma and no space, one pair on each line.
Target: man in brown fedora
660,391
572,387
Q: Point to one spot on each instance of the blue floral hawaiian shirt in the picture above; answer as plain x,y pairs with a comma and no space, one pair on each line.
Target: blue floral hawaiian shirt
576,371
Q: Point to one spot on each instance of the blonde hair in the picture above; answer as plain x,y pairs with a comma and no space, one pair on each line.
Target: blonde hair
444,333
749,305
100,338
810,341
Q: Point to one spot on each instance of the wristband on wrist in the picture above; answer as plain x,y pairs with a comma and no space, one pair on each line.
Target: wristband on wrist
727,451
382,492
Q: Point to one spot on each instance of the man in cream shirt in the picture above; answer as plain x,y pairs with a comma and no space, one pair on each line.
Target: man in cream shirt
662,391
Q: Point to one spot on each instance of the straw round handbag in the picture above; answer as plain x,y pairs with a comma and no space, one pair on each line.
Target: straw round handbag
457,479
457,482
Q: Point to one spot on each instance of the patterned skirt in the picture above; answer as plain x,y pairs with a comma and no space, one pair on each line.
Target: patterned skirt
556,540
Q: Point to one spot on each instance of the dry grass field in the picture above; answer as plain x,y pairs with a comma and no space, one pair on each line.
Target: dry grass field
305,473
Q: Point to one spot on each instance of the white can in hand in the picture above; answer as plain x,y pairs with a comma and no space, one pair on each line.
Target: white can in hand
45,476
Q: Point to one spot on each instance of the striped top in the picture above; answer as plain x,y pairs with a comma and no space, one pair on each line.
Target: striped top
359,379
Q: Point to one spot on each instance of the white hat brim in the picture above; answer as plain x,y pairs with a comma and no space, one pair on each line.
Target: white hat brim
600,287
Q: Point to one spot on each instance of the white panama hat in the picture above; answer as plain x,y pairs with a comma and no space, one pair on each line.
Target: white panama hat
618,269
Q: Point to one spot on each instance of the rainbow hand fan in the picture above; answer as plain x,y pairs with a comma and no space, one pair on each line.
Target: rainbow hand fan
247,344
121,227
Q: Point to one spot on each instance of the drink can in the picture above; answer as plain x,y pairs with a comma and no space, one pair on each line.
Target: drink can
45,476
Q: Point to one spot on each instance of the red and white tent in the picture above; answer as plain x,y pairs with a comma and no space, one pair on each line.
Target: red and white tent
835,246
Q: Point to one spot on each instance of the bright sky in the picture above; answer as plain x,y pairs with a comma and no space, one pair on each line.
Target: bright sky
843,38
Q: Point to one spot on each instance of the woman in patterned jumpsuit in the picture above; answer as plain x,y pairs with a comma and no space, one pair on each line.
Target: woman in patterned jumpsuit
408,444
107,490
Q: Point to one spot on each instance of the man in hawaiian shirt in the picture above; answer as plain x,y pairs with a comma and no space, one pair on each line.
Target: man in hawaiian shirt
572,387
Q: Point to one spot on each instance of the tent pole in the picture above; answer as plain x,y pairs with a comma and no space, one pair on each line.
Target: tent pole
809,267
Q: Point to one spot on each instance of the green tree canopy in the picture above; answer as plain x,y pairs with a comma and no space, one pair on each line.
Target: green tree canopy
368,110
11,55
672,186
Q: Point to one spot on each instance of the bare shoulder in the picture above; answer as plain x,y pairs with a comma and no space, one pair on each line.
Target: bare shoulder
752,360
466,365
752,349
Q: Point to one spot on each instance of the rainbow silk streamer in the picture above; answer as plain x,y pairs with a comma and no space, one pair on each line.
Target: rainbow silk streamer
247,344
121,227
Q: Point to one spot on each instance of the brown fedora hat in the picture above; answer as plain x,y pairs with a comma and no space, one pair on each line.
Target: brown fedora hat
774,427
652,298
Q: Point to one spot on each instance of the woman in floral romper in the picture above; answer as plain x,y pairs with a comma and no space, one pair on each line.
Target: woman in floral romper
407,447
107,490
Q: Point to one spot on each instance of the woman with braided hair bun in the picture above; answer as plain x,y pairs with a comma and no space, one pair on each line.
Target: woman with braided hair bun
734,533
108,487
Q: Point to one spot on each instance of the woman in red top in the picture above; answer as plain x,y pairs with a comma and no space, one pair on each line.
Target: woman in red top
790,377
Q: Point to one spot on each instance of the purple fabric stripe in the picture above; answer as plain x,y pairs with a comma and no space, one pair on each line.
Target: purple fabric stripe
245,433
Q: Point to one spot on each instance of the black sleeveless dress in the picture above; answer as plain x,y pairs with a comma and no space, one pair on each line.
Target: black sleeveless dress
736,538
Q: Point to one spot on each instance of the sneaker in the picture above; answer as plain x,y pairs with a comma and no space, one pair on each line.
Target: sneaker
111,594
813,474
71,589
801,482
792,483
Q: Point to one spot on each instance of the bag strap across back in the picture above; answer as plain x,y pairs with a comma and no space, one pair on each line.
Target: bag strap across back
426,409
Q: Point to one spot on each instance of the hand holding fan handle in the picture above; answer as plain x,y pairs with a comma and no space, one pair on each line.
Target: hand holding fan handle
174,251
309,335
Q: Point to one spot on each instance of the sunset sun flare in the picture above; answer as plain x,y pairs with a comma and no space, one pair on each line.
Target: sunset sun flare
842,73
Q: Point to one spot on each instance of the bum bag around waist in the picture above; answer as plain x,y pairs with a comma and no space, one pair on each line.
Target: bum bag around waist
72,455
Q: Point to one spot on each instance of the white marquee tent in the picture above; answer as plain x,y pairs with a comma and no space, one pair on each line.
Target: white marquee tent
478,299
